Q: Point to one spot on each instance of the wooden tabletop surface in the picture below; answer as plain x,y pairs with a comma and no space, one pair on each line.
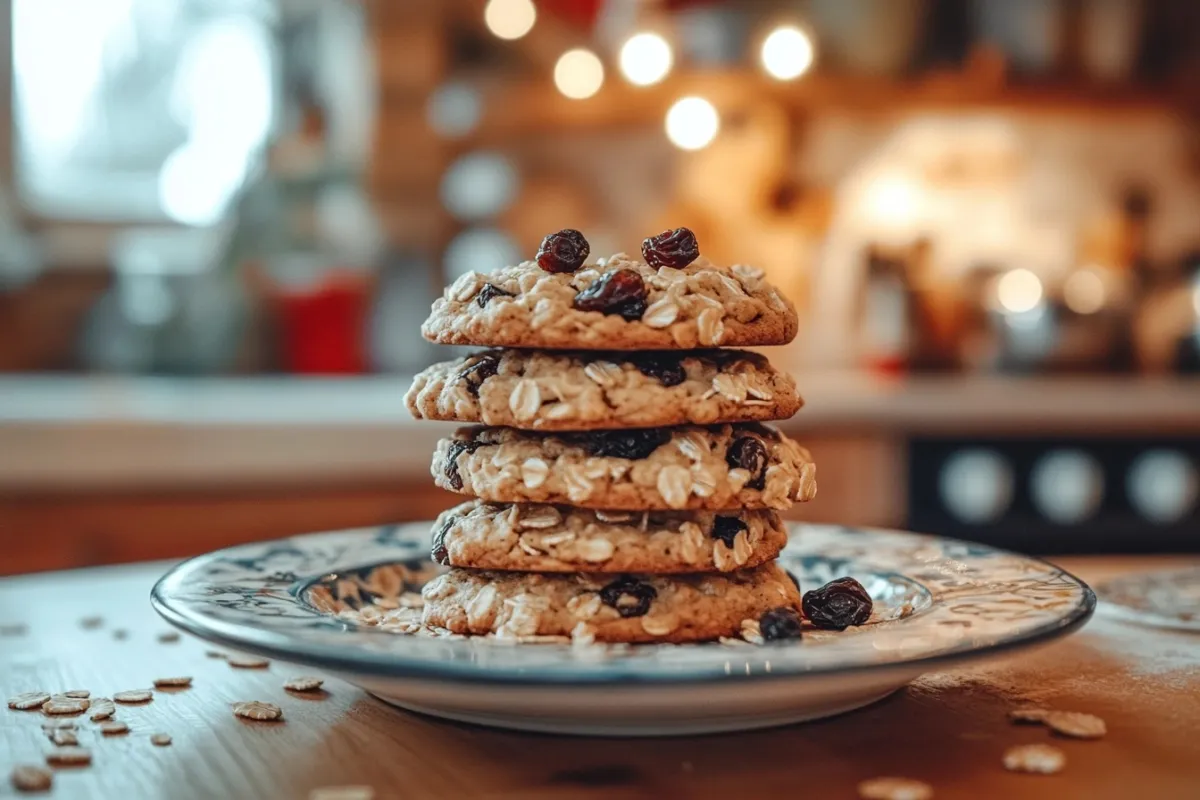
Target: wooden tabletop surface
948,729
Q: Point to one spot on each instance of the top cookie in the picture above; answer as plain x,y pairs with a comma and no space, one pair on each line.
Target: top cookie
638,307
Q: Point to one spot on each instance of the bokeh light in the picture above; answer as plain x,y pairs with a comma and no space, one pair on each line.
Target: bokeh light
579,73
1084,292
1019,291
692,123
787,53
510,19
645,59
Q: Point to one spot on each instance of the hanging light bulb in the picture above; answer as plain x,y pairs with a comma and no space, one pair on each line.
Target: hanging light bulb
692,123
579,73
787,53
645,58
509,19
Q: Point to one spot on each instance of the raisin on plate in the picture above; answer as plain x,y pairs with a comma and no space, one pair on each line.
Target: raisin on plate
837,605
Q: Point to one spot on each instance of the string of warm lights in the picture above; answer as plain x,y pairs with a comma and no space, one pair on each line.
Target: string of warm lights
646,58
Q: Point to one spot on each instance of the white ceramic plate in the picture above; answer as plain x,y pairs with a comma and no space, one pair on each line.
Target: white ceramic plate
937,602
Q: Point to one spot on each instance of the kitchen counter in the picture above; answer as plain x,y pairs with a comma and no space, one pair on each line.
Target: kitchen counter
947,728
74,432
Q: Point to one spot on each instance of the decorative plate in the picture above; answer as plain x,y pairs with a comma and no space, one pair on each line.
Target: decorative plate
937,602
1164,599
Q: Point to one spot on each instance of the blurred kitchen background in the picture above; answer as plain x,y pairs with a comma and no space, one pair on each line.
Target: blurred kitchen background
223,221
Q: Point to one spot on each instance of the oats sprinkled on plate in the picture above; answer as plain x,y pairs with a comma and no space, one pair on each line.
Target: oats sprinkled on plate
160,739
247,662
114,728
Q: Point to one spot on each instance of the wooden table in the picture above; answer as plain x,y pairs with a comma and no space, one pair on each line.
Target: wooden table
948,728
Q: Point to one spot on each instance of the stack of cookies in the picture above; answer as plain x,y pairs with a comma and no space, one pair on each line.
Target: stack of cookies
625,487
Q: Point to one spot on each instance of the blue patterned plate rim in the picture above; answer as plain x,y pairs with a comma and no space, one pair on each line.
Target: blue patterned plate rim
939,600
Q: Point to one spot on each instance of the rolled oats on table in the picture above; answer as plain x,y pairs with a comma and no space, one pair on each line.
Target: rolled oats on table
1034,758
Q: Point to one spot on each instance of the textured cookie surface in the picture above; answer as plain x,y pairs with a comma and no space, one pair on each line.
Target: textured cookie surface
543,538
606,607
700,305
744,465
549,390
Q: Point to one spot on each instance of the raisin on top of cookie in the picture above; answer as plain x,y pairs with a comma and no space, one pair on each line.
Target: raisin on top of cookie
673,299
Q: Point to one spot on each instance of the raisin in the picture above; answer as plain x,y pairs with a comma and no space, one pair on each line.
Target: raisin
478,371
629,596
749,453
450,467
438,552
633,444
726,529
669,371
838,604
564,251
676,248
489,291
780,623
621,292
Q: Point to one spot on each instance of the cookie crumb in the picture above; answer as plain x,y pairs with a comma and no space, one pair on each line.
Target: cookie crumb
304,684
1076,724
894,789
1039,759
160,740
91,623
168,637
257,710
28,778
214,654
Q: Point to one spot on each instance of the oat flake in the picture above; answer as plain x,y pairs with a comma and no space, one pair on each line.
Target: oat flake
247,662
160,740
69,756
342,793
169,637
102,708
28,701
77,694
114,728
28,778
304,684
64,705
1033,716
1076,725
1035,758
894,789
172,683
64,738
256,710
133,696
